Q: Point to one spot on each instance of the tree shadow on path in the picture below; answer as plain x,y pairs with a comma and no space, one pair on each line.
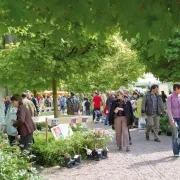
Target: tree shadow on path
154,162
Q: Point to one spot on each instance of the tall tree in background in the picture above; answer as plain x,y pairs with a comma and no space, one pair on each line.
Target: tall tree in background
37,60
120,68
165,67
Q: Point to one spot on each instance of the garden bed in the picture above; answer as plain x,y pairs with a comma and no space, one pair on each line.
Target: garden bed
83,142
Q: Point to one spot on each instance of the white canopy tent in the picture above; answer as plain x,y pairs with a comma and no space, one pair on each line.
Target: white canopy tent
148,80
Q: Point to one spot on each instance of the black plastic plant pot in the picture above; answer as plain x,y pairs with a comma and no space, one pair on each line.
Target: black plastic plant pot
98,157
77,158
66,161
105,154
94,153
72,162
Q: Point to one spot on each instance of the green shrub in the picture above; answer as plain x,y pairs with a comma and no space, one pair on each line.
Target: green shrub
13,164
40,125
77,127
164,124
46,113
52,154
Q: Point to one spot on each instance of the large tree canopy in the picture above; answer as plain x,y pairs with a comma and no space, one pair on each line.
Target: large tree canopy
118,69
97,18
35,59
165,67
38,59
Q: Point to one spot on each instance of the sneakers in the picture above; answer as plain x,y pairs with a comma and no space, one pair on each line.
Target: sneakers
157,140
128,149
176,155
119,148
147,137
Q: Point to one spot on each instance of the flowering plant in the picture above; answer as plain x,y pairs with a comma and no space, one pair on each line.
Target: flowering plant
76,126
88,151
102,137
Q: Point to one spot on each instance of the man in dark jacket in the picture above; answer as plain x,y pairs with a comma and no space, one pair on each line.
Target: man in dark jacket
152,106
73,105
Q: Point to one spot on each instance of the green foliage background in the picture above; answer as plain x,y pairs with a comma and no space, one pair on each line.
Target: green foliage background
165,67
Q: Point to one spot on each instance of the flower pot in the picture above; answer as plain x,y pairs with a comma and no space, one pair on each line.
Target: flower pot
98,157
94,153
66,161
99,154
78,159
104,154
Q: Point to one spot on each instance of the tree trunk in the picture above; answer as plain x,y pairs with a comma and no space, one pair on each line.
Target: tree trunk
54,88
7,39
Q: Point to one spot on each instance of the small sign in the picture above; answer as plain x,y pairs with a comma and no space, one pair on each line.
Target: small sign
84,119
57,133
53,122
61,131
74,120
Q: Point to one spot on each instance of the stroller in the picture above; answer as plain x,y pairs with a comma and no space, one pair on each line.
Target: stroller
98,116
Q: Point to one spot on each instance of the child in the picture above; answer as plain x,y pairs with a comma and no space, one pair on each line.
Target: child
106,113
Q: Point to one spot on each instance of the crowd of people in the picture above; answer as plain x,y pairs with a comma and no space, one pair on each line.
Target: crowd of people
117,108
152,106
123,110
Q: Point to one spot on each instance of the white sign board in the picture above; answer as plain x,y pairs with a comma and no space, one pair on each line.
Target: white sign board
84,119
53,121
61,131
74,120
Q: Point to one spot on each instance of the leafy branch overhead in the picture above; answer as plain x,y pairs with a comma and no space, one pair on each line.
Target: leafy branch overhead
165,67
96,18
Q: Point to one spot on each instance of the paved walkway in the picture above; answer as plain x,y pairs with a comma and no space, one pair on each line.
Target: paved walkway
147,160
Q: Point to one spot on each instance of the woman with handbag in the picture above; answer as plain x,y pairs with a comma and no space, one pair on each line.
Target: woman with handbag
121,116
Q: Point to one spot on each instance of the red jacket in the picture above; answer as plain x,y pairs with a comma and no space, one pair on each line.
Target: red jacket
106,110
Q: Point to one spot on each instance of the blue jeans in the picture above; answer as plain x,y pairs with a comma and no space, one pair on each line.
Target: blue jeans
175,136
63,108
106,120
107,116
94,114
87,112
